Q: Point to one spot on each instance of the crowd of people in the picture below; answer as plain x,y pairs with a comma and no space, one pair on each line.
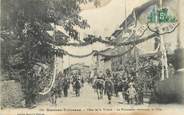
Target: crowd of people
126,88
62,85
108,84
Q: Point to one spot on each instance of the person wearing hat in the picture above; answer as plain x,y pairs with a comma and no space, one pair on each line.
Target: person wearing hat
66,86
131,93
77,86
53,95
109,89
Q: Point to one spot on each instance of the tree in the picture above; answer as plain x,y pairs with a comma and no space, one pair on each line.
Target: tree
148,71
27,44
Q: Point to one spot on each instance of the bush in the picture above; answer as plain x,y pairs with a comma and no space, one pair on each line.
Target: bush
11,94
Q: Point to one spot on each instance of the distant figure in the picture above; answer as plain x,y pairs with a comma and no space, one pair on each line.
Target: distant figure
66,85
124,89
116,87
131,94
99,87
77,86
74,79
139,96
53,95
109,89
82,82
59,83
108,73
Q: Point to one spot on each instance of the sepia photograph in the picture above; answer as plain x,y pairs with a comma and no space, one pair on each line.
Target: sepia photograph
120,57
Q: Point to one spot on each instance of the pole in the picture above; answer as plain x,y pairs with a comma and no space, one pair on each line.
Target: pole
62,64
163,51
97,65
161,3
178,31
136,60
164,60
125,17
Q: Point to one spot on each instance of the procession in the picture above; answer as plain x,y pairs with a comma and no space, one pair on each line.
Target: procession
91,53
104,84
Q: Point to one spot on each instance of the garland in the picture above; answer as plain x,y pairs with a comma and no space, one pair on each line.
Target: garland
92,39
112,43
51,84
132,42
79,56
98,53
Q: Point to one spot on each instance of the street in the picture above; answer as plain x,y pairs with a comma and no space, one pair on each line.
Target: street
88,102
88,99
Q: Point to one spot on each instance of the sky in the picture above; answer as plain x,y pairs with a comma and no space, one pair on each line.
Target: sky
103,21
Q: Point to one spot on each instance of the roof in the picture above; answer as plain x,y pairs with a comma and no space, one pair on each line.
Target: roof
136,13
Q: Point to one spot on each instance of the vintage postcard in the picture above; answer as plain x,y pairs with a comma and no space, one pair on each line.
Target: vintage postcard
120,57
